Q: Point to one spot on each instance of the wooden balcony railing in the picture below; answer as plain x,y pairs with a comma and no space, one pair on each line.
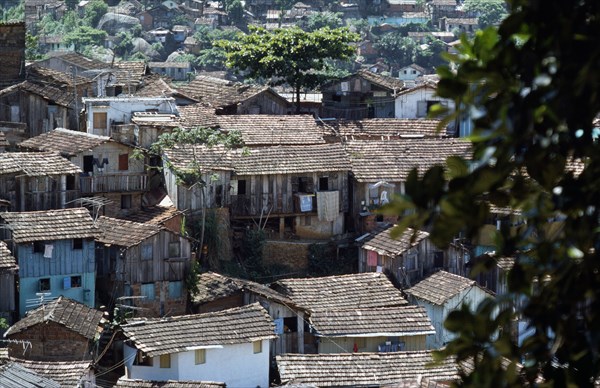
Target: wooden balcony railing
113,183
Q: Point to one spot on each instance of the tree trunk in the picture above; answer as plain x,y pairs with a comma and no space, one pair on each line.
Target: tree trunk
297,99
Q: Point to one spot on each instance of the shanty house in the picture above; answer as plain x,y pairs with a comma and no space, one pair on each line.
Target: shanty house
76,373
441,293
37,180
417,101
55,253
230,346
216,292
330,294
60,330
383,329
146,261
108,167
361,95
8,286
407,257
380,169
13,374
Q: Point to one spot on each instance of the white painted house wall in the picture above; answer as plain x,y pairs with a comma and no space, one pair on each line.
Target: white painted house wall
437,314
408,104
236,365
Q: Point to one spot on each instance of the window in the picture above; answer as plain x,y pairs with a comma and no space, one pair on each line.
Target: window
361,342
88,163
126,201
75,281
175,290
143,359
147,290
200,356
147,252
165,361
323,183
100,120
438,259
44,285
38,247
241,187
78,243
257,345
123,162
174,249
70,182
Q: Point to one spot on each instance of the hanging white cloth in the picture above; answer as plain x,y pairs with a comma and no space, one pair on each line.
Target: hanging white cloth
328,205
48,251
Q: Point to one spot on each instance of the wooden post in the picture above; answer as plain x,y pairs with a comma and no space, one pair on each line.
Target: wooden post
63,190
281,228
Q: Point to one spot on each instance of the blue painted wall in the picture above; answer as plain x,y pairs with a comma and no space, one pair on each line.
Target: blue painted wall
64,263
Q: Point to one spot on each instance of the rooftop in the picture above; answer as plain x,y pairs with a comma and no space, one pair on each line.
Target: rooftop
64,141
14,375
49,225
67,373
113,231
8,263
384,129
136,383
381,241
36,164
440,286
187,332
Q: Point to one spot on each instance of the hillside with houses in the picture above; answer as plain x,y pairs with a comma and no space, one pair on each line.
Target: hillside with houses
132,256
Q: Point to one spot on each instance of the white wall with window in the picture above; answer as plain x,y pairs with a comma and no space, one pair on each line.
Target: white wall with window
238,365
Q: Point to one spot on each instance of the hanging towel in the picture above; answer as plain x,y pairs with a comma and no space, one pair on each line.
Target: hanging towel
305,203
328,205
48,251
371,258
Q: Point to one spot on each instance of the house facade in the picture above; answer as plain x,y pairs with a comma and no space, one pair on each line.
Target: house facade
8,286
230,346
416,102
55,252
145,261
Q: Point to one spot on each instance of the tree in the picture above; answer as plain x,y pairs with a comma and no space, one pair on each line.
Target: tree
430,57
289,56
532,90
319,20
85,36
94,12
235,10
489,12
396,49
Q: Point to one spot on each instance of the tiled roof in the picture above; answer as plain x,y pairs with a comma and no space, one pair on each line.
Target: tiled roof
177,65
356,291
36,164
69,313
382,242
443,2
36,72
362,369
191,157
273,129
382,129
113,231
66,373
49,225
82,61
156,215
392,160
386,321
426,85
472,21
132,73
440,286
178,334
219,92
291,160
7,260
381,80
198,115
136,383
64,141
57,94
154,86
14,375
3,141
212,286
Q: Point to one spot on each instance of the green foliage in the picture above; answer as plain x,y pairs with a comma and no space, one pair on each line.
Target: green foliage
320,20
235,10
252,253
124,44
289,56
31,48
531,88
94,12
71,4
323,260
84,36
3,323
16,13
396,49
489,12
431,57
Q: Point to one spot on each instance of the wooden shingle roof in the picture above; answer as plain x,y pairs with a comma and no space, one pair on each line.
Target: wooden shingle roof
198,115
36,164
386,321
440,286
114,231
182,333
8,263
65,373
382,242
137,383
82,61
188,157
59,95
384,81
393,160
212,286
362,369
3,141
156,215
258,130
66,312
384,129
49,225
291,160
131,73
355,291
64,141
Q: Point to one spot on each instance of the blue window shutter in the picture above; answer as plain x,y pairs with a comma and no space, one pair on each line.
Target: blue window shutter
67,282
